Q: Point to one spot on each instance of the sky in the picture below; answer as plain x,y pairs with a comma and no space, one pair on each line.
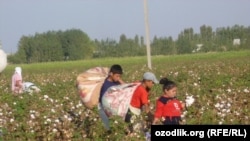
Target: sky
102,19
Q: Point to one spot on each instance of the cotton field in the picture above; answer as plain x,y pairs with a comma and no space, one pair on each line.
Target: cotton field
217,90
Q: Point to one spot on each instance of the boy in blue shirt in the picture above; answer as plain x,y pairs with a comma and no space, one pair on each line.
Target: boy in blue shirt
114,78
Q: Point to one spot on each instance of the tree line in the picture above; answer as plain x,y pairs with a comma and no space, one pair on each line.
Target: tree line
74,44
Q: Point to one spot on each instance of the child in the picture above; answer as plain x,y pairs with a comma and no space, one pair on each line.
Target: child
114,78
140,100
168,106
17,81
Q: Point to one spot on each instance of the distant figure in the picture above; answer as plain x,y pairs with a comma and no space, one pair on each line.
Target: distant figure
17,81
30,88
3,60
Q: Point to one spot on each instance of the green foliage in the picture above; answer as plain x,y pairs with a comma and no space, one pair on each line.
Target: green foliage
54,46
74,44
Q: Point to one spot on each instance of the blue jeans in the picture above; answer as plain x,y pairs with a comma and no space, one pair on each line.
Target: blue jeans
104,117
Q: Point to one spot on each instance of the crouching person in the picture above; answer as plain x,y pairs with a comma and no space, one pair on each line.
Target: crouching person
17,81
140,103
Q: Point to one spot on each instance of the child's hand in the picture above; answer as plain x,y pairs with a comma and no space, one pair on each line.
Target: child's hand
183,104
150,116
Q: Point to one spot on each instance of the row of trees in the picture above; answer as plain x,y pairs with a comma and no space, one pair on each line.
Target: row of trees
74,44
53,46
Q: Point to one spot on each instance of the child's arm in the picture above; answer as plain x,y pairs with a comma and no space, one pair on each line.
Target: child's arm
158,112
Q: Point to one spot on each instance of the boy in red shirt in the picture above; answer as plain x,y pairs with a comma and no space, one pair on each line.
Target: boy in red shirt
140,98
168,106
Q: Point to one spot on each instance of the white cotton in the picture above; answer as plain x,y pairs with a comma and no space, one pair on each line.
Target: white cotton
32,116
3,60
189,100
12,120
246,90
53,110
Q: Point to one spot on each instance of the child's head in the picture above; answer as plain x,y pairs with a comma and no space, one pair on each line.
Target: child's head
18,70
149,80
115,72
169,87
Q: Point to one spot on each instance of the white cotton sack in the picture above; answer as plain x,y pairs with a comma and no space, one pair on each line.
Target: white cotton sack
189,101
3,60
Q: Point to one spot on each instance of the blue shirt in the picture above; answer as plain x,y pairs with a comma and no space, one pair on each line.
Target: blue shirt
105,86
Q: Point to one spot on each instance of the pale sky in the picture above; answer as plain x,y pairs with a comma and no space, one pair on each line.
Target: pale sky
102,19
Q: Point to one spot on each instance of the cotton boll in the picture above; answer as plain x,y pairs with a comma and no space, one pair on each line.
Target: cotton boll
189,101
3,60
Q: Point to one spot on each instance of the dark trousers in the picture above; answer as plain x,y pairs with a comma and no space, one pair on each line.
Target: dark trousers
128,120
172,121
128,116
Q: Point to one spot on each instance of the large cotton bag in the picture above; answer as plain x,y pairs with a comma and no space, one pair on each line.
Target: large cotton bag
116,99
89,85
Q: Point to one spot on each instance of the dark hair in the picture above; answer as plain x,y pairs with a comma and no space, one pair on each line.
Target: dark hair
167,84
116,69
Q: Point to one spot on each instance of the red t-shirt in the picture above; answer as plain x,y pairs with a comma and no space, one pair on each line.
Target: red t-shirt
140,97
168,107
